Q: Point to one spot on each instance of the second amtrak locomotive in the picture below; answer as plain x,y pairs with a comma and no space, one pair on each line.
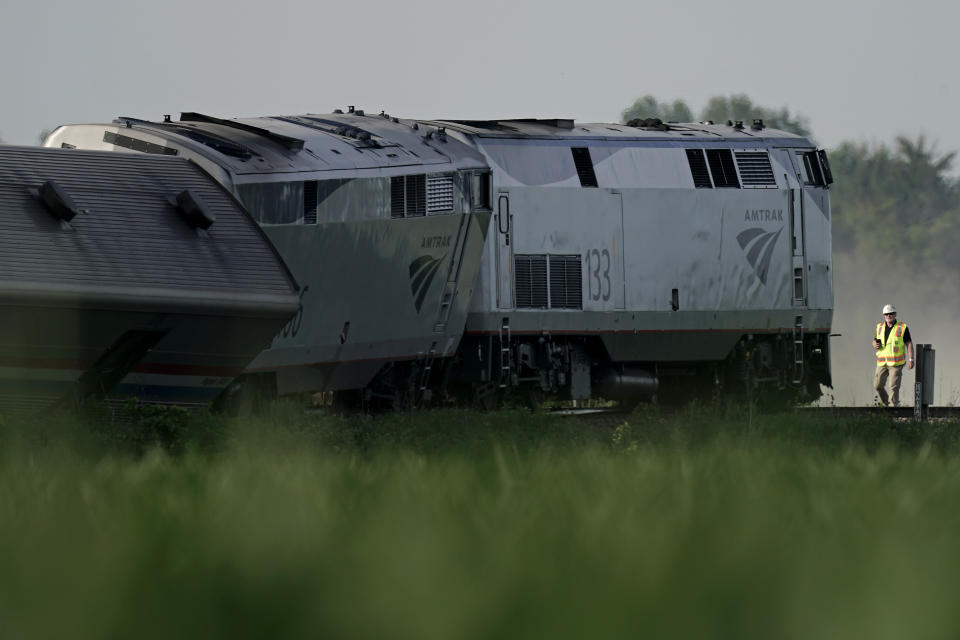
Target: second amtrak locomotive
382,227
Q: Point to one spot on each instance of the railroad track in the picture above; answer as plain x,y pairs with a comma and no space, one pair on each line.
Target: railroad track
893,412
586,412
900,413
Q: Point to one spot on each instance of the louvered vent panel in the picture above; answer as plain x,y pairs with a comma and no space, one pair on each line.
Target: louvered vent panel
439,194
396,196
416,195
755,169
310,202
698,169
530,281
566,291
722,169
584,164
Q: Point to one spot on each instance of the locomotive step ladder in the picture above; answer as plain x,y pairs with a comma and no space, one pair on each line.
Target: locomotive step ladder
446,304
453,276
799,286
505,353
798,350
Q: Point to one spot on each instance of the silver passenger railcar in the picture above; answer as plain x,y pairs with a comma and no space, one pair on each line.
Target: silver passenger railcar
128,276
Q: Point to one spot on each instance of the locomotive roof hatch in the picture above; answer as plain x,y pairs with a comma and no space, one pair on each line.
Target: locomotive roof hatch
313,142
565,128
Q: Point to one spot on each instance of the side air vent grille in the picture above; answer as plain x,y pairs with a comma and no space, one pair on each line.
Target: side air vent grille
530,273
416,195
755,169
310,202
408,196
396,196
698,169
439,194
566,291
584,164
722,169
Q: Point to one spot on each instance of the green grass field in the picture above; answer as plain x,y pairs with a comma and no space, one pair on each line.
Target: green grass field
709,523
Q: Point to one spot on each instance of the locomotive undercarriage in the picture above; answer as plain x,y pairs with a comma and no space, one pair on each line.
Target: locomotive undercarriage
771,368
488,370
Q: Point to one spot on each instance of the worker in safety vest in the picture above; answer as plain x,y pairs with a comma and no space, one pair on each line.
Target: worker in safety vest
894,349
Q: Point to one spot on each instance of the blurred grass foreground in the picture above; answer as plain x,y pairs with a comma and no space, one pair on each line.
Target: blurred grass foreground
711,523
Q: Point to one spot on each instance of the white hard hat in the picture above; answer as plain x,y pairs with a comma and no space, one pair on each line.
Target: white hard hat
889,309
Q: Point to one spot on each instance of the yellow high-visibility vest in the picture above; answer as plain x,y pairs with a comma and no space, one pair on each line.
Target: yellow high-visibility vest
894,352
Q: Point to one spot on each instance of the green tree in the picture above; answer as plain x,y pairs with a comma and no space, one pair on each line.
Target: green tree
649,107
896,202
739,106
720,109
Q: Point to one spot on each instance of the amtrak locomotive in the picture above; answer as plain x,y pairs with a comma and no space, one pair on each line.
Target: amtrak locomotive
651,258
485,258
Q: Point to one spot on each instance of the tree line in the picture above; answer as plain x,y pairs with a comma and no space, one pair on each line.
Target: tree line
892,202
719,109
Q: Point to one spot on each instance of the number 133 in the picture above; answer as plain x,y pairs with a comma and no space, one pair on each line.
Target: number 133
598,274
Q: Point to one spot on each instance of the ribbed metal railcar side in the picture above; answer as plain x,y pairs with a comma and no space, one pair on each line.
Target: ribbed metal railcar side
127,293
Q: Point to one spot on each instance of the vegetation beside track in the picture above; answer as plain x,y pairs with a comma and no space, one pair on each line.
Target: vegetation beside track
711,522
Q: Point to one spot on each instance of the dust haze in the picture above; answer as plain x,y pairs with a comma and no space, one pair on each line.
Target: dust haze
926,300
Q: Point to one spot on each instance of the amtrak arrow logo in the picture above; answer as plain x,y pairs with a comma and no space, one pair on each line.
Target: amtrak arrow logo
760,251
422,271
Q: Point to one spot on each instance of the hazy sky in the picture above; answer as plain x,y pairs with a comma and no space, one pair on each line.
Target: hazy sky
865,71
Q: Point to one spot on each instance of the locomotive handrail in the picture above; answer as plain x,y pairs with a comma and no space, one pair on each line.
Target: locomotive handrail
501,210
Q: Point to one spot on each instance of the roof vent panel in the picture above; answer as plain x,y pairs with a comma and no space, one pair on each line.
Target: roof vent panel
57,201
194,210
